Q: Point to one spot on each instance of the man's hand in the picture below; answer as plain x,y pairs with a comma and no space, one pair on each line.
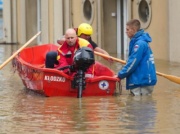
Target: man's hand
61,40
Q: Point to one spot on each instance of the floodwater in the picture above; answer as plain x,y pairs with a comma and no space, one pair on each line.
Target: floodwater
25,112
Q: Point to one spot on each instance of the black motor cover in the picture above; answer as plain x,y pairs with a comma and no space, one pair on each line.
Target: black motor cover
84,58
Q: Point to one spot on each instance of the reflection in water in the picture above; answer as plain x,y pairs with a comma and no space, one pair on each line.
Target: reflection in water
63,114
23,111
141,113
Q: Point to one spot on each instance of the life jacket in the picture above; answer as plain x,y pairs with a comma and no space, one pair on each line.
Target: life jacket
65,48
67,52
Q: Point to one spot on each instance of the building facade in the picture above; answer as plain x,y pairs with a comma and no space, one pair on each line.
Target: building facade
24,18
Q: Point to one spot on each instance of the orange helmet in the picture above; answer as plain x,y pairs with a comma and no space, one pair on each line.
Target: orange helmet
85,28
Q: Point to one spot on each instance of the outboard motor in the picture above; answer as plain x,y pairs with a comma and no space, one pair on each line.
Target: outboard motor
83,59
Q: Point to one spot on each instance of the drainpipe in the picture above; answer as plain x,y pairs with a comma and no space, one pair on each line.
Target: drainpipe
99,23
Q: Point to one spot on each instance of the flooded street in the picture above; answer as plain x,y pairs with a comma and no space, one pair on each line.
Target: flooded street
25,112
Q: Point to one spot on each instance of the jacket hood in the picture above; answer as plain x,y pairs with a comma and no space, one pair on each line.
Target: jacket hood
143,36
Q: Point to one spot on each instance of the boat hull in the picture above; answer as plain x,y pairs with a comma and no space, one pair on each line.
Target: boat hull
52,82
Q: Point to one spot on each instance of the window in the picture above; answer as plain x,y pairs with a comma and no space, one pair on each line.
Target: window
144,12
88,10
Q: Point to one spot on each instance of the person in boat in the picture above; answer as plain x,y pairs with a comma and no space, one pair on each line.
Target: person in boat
139,71
85,31
65,53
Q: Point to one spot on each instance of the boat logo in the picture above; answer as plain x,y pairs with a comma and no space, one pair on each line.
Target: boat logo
103,85
54,78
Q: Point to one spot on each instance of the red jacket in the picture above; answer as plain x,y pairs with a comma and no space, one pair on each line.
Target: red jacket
66,53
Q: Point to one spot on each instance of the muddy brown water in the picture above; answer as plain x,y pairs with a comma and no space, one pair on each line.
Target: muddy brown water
26,112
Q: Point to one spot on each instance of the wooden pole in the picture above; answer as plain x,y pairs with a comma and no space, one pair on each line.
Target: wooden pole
169,77
19,50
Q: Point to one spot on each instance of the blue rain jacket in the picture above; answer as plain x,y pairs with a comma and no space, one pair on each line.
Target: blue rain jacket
140,67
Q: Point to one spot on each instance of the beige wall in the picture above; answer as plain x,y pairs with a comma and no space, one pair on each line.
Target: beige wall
21,22
174,30
78,18
158,28
105,29
110,26
76,13
7,26
31,19
164,26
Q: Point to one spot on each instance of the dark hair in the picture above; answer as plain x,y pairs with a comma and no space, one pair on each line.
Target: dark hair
134,23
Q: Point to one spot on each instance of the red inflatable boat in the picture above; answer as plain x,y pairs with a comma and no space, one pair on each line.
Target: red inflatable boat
29,64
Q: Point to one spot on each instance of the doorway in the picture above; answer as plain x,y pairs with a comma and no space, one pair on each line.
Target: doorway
115,16
122,40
